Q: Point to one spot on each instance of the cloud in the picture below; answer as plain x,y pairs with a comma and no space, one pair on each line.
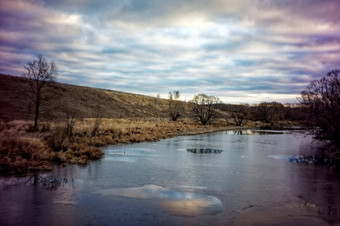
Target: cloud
239,50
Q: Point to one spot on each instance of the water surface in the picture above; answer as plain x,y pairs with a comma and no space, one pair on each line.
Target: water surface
224,178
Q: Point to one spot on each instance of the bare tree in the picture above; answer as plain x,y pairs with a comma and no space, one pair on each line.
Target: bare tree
267,111
176,107
63,133
97,121
322,99
158,97
205,107
39,72
239,114
70,121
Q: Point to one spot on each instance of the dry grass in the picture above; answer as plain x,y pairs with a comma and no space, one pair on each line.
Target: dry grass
23,151
114,131
19,150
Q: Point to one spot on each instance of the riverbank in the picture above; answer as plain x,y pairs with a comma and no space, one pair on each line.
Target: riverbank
78,141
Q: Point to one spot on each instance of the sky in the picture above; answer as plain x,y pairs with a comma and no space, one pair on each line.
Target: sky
242,51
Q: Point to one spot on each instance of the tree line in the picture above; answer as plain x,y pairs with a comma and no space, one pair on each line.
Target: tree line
206,108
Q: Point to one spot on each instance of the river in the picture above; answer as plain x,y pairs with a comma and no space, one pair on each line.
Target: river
244,177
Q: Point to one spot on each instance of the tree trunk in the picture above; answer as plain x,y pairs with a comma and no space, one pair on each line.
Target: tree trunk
35,127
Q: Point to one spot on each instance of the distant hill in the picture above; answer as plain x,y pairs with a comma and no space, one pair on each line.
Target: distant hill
85,101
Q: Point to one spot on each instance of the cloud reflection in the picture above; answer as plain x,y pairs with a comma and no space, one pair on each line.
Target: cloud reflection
171,201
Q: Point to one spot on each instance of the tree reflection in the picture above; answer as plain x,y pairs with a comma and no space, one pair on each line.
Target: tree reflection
204,151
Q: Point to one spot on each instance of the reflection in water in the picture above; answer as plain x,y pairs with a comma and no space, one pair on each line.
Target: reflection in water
204,151
121,159
257,132
250,187
301,158
171,201
43,181
192,188
130,155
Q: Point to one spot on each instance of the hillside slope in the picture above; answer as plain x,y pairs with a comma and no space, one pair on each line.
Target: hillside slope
86,102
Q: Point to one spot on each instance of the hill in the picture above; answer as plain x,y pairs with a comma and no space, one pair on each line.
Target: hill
86,102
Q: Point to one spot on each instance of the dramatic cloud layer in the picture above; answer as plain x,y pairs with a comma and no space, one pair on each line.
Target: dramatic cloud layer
238,50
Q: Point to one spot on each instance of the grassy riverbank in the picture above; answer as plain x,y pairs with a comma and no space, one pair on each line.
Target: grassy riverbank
22,150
